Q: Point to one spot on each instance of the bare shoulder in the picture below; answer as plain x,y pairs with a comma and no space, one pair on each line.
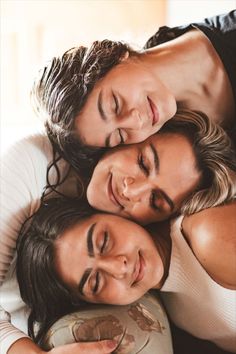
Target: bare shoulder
211,234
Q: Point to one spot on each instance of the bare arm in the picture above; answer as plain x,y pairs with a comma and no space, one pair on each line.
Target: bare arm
211,234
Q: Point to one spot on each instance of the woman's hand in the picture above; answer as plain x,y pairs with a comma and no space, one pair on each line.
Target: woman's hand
102,347
25,345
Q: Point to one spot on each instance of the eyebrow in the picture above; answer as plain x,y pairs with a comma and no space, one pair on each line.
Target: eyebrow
100,107
91,254
103,116
167,198
157,167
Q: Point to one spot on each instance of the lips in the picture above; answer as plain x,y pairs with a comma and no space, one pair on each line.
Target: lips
111,194
155,114
139,269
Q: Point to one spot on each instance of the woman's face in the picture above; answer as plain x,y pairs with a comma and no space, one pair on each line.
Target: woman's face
146,182
108,259
126,106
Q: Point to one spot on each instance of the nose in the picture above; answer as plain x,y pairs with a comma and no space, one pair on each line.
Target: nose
135,191
132,119
116,266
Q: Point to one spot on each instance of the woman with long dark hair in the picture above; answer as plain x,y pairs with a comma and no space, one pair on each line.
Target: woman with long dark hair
195,256
186,167
110,94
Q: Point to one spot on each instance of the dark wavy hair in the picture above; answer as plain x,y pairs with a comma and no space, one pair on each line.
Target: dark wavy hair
62,88
40,287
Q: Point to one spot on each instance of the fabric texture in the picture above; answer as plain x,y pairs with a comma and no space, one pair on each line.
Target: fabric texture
141,327
23,178
221,31
194,301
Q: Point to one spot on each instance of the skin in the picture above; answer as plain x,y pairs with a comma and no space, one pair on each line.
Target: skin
211,235
25,345
128,181
141,93
128,105
119,272
205,84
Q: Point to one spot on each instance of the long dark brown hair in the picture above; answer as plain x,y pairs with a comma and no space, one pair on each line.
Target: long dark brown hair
40,287
61,90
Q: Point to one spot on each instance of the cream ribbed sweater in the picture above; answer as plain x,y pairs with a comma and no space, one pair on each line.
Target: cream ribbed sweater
194,301
23,178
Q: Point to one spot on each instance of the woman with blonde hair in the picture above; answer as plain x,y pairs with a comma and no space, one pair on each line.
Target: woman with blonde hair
187,166
184,162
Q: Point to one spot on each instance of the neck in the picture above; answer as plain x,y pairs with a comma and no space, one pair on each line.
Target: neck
162,241
179,64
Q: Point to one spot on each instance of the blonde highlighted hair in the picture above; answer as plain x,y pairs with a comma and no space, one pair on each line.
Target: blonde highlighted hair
215,159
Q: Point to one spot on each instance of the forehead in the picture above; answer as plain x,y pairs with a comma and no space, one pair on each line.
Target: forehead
119,71
116,74
80,230
119,74
164,143
171,141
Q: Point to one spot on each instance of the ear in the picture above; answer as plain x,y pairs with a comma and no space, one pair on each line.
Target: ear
125,56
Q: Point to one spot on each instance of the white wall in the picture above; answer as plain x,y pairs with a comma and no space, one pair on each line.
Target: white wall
184,11
33,31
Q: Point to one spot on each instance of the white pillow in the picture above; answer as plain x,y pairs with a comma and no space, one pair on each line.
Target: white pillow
141,327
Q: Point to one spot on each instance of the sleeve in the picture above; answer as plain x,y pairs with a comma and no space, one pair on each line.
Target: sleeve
23,177
224,24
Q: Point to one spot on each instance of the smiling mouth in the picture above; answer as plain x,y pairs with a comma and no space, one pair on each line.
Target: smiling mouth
111,194
139,269
155,114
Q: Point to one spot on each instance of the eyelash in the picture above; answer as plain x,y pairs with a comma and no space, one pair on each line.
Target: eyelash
116,112
142,165
116,104
152,201
105,239
104,244
121,137
96,283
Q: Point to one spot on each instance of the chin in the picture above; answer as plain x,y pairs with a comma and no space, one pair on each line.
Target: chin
90,196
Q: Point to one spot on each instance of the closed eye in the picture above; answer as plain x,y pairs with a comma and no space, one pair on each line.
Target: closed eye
104,244
165,202
142,165
96,286
152,201
116,103
97,279
121,137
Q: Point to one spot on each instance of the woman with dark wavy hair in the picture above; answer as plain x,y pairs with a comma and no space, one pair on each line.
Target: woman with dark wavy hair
188,166
196,254
110,94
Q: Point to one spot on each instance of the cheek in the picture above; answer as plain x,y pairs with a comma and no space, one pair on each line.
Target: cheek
141,214
99,175
144,216
119,294
121,166
142,133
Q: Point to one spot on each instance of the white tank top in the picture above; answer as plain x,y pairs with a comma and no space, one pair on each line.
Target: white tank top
194,301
